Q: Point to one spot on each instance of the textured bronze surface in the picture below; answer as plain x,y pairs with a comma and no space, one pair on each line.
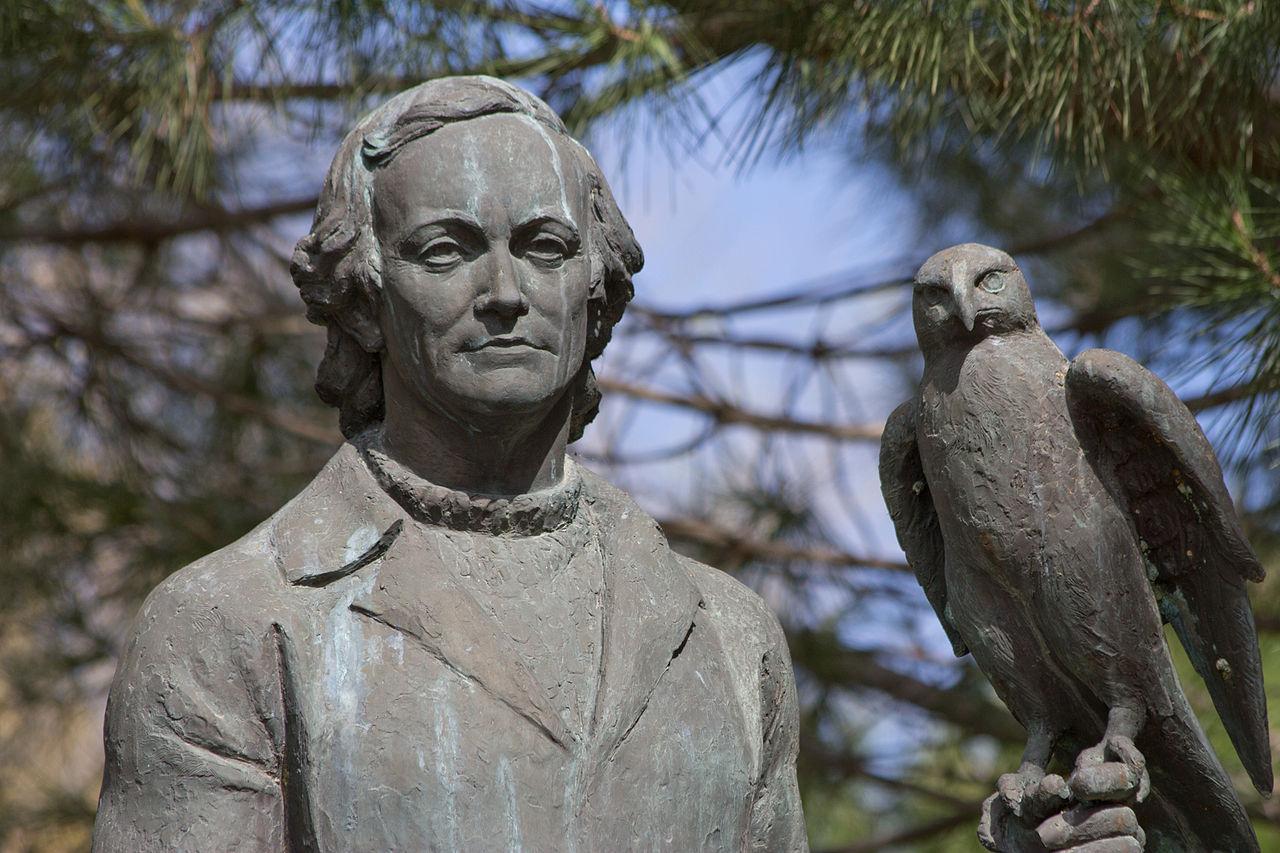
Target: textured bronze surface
455,638
1057,513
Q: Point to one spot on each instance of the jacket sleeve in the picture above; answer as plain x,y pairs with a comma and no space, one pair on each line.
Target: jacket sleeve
194,730
777,817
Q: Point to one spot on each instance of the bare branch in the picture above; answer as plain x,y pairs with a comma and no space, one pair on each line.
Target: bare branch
1233,393
848,766
156,230
727,413
818,350
813,292
741,545
291,422
318,91
806,293
967,709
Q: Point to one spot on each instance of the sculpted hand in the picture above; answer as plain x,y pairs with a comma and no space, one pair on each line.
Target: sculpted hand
1089,813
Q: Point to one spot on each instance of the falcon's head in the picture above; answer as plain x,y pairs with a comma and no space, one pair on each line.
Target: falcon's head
967,292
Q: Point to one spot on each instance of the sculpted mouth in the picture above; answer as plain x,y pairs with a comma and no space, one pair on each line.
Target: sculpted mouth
500,342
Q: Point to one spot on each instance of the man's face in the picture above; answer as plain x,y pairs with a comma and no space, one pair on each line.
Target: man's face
485,273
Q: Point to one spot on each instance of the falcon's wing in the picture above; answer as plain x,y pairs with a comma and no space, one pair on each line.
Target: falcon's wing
1148,449
911,507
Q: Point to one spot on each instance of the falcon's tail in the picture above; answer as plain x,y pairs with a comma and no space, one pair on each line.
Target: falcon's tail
1192,795
1210,613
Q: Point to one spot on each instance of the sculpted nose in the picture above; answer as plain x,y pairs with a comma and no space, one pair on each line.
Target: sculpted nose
962,294
503,296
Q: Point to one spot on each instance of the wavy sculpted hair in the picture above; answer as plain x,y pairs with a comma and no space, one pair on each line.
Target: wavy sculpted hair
337,268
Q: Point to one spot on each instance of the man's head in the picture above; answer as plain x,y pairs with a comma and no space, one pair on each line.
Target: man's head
466,238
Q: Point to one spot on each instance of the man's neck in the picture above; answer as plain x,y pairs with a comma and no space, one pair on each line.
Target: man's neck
509,455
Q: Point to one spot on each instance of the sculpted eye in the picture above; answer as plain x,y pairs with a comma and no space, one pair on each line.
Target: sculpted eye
992,282
548,250
441,253
929,293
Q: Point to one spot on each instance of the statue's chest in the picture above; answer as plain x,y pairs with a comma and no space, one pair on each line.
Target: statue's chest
545,595
989,421
461,718
1002,400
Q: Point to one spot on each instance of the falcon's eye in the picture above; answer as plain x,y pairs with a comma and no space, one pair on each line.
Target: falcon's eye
992,282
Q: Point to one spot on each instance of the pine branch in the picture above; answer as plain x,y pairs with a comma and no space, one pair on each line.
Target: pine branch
814,758
820,293
189,383
834,664
1256,256
1234,393
741,545
819,350
728,414
148,231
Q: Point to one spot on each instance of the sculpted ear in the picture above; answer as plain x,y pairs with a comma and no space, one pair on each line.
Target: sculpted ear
360,322
596,288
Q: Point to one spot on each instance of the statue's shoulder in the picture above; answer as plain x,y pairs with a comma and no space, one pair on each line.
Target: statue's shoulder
197,647
241,587
201,663
736,609
229,592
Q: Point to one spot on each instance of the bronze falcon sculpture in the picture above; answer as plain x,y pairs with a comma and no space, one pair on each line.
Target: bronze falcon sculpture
1057,513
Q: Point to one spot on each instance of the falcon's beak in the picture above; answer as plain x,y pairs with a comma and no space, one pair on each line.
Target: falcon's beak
962,296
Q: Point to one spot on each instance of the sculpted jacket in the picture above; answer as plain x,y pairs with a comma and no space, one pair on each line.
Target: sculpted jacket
350,677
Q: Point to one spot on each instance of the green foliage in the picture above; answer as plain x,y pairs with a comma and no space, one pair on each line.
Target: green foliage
1081,79
1268,831
1215,237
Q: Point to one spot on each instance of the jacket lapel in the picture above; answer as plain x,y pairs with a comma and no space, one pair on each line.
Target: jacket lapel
334,527
650,608
345,523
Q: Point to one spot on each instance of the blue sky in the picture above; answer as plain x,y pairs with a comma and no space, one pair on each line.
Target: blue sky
716,233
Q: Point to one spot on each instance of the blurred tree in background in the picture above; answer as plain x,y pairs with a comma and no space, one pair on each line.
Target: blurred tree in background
156,371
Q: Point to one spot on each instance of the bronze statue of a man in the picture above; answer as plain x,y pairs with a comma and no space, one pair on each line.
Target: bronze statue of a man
455,638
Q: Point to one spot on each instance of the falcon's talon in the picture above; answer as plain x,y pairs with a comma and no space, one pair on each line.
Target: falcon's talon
1012,788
